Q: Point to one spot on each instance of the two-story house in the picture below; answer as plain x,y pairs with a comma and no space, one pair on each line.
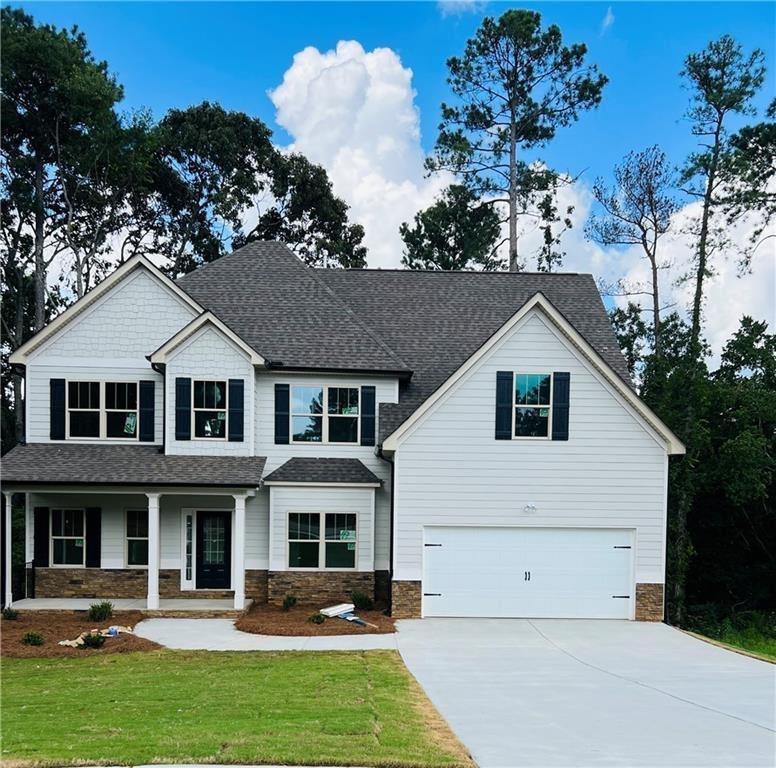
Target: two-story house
457,443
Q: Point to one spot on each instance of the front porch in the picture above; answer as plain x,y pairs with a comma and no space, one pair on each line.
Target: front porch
187,607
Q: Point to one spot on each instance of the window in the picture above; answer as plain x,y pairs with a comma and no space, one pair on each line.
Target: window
210,409
337,423
102,409
68,545
308,549
533,404
137,538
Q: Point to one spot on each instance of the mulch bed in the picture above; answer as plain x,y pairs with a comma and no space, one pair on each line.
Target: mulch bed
263,619
54,626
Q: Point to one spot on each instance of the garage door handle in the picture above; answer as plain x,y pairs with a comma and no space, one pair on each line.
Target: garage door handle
526,575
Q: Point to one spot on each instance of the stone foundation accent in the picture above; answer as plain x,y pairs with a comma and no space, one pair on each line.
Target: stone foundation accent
91,582
383,587
318,588
405,599
256,586
649,602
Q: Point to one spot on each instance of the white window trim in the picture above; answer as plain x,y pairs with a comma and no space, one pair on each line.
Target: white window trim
515,406
321,541
103,410
325,416
128,538
225,409
52,564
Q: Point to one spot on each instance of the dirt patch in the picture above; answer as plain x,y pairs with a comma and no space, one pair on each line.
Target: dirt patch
54,626
266,619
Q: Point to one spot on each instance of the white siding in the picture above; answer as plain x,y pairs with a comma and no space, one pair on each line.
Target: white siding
300,499
109,341
209,355
450,470
385,392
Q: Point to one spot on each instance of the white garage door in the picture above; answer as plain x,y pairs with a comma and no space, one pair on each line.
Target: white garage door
528,572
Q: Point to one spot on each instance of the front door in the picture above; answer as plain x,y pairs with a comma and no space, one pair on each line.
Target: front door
214,550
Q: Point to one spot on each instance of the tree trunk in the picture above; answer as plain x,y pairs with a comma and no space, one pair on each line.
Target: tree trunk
655,302
513,265
40,264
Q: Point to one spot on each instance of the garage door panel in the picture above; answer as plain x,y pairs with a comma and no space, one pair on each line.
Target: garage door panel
527,572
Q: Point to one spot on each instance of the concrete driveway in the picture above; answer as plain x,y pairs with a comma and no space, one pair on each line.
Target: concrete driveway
593,693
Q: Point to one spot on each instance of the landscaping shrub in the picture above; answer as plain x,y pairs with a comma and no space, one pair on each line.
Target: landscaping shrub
289,601
100,611
93,640
362,601
10,613
317,618
33,638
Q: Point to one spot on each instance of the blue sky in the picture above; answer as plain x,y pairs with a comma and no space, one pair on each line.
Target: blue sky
176,54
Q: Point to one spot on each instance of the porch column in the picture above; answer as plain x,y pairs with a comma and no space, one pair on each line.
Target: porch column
153,551
8,596
239,552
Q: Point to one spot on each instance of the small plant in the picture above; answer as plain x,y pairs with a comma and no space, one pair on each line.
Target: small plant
317,618
33,638
11,614
362,601
100,611
289,601
93,640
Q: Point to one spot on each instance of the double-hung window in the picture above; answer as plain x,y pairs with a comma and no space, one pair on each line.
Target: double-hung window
102,409
322,540
533,404
137,538
68,542
210,409
324,414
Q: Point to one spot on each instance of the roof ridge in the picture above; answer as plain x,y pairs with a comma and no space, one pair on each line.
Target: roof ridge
456,272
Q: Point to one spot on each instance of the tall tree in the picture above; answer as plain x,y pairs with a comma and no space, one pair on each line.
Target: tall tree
456,232
54,93
515,85
723,80
637,210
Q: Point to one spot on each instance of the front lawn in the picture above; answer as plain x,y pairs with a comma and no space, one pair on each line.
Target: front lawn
174,706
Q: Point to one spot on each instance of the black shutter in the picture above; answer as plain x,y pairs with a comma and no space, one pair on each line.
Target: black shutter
236,410
146,426
504,404
561,390
282,410
367,415
182,409
93,536
41,549
57,398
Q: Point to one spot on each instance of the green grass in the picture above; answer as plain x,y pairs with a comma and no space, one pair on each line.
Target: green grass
751,630
173,706
749,640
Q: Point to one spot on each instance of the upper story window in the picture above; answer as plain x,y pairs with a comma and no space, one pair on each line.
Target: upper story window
336,422
533,404
210,409
102,409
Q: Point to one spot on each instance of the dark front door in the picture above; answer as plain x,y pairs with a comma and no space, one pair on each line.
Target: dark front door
214,550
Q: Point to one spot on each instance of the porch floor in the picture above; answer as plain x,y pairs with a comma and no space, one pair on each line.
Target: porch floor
189,605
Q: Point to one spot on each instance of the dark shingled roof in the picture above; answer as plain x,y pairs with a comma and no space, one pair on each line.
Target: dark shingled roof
311,470
426,324
52,463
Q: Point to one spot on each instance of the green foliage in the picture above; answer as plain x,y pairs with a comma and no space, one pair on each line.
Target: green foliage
10,614
515,85
100,611
362,601
32,638
93,640
632,334
751,630
456,232
289,601
316,618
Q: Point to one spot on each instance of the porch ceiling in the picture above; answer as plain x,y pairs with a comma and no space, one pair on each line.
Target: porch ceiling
55,464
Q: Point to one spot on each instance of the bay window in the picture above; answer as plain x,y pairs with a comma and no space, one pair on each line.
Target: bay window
322,540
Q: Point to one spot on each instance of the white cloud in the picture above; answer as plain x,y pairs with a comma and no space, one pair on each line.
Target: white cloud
353,112
459,7
607,20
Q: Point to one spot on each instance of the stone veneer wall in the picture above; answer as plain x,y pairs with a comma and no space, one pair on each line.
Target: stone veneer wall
318,587
405,599
649,602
